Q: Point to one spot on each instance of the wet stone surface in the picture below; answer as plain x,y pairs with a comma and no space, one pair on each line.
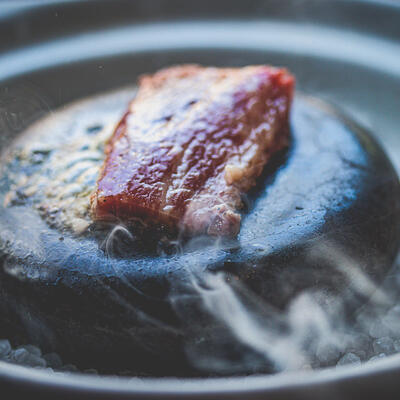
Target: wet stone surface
319,232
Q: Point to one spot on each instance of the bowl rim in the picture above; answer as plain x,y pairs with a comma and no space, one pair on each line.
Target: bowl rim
309,380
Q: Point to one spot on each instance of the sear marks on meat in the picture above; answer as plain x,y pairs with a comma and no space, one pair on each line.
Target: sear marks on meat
192,141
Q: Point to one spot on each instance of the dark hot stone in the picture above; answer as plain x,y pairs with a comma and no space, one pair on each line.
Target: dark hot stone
322,212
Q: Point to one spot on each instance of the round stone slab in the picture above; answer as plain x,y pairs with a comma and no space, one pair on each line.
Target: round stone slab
323,214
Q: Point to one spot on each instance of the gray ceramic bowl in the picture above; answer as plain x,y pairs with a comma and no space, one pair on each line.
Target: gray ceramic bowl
345,52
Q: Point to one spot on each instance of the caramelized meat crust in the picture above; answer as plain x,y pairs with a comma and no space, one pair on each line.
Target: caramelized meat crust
192,141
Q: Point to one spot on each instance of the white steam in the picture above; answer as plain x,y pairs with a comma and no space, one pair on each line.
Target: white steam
313,331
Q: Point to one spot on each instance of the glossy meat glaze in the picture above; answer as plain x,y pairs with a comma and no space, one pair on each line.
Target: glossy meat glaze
192,141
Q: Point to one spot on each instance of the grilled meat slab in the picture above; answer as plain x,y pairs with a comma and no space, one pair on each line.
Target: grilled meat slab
192,141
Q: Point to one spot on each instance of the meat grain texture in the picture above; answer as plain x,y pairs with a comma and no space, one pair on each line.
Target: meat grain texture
191,143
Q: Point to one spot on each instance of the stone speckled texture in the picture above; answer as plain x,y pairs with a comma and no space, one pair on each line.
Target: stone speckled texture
334,190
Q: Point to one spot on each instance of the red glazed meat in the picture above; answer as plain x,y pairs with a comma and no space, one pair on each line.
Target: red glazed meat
192,141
